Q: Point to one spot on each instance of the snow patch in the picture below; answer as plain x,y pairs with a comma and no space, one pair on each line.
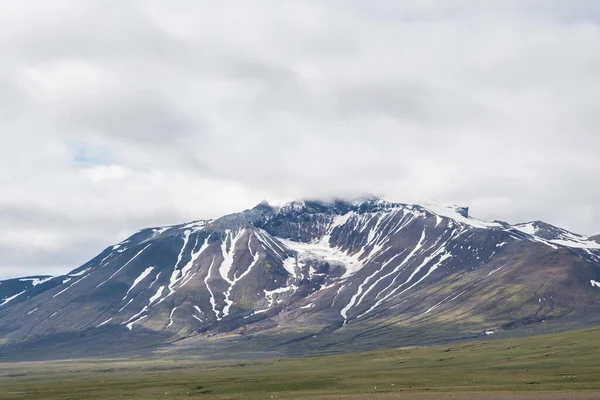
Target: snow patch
140,278
11,298
228,255
452,213
160,231
130,325
227,264
70,286
198,318
322,250
171,317
39,281
290,266
124,265
156,295
196,226
528,228
128,303
79,273
104,323
270,294
213,302
584,244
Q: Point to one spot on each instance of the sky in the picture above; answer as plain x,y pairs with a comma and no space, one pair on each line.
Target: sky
120,115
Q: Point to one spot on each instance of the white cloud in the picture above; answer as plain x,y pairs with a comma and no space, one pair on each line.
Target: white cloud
117,117
100,173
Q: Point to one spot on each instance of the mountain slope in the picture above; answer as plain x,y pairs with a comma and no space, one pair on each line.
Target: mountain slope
330,275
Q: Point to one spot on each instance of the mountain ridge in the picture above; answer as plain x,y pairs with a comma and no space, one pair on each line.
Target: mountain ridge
321,273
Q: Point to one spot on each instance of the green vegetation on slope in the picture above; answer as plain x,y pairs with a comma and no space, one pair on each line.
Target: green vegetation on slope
496,369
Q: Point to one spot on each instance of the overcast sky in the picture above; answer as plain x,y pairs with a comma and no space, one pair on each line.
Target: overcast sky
118,115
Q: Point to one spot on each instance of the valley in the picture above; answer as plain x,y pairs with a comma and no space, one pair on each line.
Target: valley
552,367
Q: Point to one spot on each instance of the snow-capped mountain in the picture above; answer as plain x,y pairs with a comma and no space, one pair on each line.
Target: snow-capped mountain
329,275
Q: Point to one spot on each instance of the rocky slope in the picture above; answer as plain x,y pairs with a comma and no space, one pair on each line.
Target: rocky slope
308,277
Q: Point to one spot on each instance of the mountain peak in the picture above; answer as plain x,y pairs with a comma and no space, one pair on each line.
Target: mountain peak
263,205
367,199
261,211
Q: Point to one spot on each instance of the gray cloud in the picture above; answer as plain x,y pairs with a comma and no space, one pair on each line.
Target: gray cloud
119,115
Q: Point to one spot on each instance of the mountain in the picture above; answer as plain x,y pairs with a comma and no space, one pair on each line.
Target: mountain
595,238
309,277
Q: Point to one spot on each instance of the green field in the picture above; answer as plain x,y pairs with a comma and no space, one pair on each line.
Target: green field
558,366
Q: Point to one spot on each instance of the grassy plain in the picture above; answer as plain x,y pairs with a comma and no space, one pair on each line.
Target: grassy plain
557,366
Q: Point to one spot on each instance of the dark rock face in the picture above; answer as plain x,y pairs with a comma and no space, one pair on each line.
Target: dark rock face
319,273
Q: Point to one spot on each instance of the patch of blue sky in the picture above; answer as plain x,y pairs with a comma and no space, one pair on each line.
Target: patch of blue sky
88,156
